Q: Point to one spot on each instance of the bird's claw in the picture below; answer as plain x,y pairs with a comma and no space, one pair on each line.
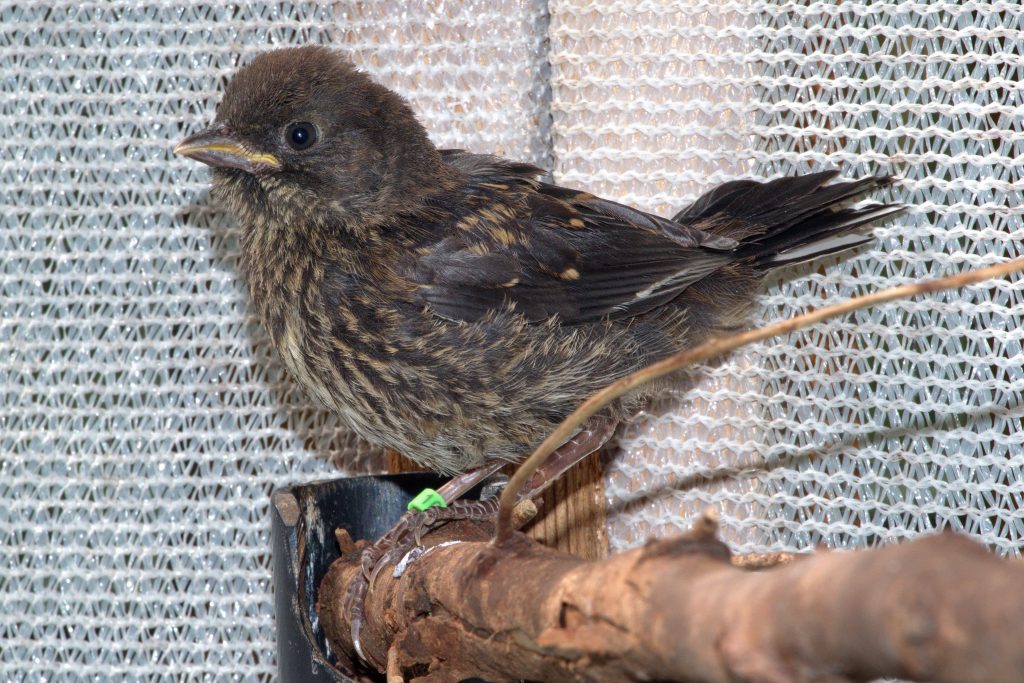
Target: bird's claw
406,535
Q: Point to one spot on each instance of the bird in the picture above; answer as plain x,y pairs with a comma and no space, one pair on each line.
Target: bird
456,306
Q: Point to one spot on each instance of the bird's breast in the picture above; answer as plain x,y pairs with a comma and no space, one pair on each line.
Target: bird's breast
333,335
305,367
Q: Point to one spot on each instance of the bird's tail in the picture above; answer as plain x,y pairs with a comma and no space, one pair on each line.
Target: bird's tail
793,219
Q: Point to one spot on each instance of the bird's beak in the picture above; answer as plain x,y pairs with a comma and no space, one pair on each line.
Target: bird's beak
216,147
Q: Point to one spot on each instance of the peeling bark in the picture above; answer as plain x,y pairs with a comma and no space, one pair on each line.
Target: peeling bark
940,608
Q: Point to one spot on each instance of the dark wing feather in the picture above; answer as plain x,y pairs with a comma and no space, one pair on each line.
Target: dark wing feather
561,252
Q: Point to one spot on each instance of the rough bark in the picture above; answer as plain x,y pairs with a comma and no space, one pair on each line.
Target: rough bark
940,608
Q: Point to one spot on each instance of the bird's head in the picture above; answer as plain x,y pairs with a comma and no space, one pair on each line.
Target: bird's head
302,131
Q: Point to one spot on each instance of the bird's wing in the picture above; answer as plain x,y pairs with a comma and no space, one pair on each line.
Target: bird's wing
545,250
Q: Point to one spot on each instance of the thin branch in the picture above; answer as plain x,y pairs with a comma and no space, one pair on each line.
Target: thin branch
709,349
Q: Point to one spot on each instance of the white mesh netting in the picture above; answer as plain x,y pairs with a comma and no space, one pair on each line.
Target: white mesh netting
890,422
144,420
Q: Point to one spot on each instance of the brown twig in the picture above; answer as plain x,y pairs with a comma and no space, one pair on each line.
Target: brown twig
939,608
710,349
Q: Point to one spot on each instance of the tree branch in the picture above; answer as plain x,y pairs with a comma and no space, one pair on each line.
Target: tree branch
940,609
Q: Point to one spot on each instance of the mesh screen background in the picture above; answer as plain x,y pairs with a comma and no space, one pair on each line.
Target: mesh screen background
143,419
878,426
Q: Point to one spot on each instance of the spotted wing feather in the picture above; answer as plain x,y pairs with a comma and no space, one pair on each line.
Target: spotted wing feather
560,252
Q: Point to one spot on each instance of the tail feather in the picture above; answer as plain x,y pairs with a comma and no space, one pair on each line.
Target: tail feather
823,240
791,219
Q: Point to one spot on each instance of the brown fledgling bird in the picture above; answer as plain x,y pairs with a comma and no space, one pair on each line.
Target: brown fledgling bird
451,305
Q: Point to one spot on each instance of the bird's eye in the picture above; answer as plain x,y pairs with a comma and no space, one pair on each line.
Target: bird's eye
300,135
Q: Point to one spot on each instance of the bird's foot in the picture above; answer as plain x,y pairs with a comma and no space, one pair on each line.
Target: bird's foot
397,546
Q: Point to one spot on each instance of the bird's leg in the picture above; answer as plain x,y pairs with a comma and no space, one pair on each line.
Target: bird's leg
457,486
404,537
594,433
